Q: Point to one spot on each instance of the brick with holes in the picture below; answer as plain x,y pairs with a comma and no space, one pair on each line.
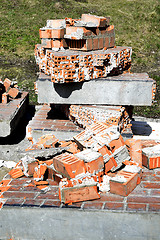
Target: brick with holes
125,181
93,160
68,165
151,157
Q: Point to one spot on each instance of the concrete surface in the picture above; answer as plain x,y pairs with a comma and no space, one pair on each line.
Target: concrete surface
127,89
60,224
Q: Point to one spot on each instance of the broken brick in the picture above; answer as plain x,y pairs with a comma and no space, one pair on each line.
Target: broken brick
93,160
7,84
135,150
68,165
123,183
16,173
13,92
151,157
70,192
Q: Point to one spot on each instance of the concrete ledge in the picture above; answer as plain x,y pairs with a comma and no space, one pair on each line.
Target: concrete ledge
126,89
11,113
32,223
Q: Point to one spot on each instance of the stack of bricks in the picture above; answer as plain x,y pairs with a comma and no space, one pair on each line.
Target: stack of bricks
8,90
110,115
76,50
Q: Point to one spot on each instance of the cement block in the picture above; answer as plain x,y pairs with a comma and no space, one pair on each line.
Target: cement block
11,113
127,89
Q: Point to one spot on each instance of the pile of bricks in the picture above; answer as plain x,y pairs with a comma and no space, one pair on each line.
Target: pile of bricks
96,161
76,50
8,90
111,115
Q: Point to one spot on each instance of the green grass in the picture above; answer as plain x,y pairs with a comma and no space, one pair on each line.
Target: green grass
136,24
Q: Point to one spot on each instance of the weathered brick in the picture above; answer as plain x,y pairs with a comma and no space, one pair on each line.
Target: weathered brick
13,202
51,203
143,199
136,207
93,205
154,207
114,206
19,194
32,203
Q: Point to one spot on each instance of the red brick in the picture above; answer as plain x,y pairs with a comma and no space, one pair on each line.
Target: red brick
108,197
16,173
135,150
136,207
13,92
51,203
110,29
19,181
89,44
13,202
57,33
151,185
68,165
93,160
32,203
114,206
15,188
78,193
5,182
44,33
17,194
4,98
93,205
7,84
124,188
95,43
154,207
47,43
98,21
112,42
31,168
100,43
106,44
48,195
31,189
143,199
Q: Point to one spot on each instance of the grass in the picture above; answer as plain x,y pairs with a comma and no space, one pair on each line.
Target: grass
136,23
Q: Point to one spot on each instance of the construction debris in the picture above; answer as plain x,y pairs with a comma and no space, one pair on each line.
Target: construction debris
97,159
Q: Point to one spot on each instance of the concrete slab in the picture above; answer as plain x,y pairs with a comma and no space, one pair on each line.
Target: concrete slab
60,224
127,89
11,114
